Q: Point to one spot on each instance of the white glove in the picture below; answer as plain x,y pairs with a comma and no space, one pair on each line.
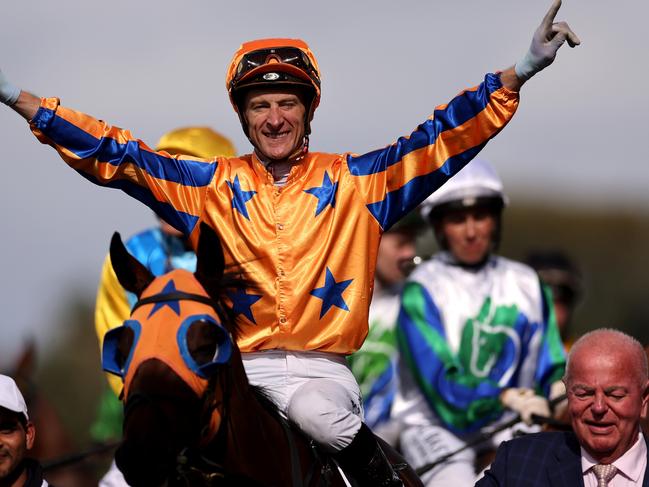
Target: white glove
525,402
8,92
558,389
547,40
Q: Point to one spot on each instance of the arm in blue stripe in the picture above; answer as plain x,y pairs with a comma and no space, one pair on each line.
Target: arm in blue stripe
105,149
399,203
183,222
461,109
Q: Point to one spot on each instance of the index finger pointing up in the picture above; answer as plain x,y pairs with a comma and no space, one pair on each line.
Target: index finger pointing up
552,13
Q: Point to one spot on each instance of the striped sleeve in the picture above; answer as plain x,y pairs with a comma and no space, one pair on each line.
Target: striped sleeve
394,180
552,358
460,400
174,187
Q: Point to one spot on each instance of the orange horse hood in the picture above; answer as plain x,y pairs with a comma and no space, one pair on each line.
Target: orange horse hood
160,324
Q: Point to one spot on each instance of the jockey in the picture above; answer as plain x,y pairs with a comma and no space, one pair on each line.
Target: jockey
374,365
558,271
303,226
476,331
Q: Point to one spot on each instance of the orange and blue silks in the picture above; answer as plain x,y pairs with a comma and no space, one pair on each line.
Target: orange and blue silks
309,248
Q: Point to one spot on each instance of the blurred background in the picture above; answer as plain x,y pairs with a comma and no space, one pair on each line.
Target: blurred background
574,159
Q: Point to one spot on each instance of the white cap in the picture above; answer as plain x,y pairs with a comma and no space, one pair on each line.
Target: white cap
478,179
10,396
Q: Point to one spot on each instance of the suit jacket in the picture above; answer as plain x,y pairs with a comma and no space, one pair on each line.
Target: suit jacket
539,460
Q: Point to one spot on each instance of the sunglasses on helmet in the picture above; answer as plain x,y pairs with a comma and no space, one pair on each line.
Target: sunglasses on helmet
284,55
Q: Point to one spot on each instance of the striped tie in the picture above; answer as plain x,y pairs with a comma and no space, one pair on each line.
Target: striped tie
604,473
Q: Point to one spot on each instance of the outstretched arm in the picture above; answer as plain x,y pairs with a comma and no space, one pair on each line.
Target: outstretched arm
172,186
547,40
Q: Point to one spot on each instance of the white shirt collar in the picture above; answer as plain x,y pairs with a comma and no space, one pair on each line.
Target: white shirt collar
632,464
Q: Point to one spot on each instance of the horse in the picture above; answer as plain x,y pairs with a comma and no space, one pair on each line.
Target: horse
190,415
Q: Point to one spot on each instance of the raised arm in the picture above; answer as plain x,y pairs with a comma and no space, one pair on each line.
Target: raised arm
172,186
395,179
547,40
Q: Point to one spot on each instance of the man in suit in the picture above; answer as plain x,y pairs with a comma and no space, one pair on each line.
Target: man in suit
607,382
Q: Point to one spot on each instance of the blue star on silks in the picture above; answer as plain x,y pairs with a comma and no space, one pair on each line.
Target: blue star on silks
326,193
242,303
240,198
170,287
331,293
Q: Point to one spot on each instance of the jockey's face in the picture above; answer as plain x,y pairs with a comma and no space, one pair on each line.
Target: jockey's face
469,233
276,122
16,438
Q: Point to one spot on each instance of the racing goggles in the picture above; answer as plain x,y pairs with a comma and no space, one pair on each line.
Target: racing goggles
291,56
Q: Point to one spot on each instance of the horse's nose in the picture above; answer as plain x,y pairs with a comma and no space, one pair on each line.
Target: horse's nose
153,376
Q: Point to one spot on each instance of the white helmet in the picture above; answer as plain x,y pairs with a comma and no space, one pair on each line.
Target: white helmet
475,184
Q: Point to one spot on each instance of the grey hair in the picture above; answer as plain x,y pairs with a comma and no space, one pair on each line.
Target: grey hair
598,338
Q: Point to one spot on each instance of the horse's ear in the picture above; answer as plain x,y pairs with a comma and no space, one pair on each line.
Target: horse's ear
131,274
210,262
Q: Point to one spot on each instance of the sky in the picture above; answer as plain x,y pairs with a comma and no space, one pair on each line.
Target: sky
579,137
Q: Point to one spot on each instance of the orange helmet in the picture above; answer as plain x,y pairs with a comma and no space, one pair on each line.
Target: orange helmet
273,62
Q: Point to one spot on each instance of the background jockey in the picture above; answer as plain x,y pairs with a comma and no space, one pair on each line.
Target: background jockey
374,365
160,249
476,331
305,227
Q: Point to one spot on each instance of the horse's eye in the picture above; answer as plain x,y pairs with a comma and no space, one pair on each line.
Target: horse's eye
124,345
202,341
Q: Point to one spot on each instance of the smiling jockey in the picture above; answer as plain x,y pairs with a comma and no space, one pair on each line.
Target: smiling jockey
303,226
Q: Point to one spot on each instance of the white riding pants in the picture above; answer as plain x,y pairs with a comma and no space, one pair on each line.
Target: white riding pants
315,390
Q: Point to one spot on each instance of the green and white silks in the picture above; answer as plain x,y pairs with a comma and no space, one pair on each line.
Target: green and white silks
374,365
467,334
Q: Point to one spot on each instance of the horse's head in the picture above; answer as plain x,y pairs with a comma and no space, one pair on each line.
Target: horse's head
165,353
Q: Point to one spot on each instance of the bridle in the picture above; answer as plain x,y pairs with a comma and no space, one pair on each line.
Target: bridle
177,296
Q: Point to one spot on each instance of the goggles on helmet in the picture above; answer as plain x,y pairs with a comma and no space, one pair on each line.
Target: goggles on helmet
291,56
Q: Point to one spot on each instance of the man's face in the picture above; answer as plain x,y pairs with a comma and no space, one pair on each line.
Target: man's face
396,250
606,396
275,121
469,233
15,440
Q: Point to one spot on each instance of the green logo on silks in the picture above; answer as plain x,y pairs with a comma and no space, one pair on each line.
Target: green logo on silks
489,340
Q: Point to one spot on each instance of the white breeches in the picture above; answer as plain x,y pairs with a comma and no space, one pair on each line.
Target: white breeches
315,390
